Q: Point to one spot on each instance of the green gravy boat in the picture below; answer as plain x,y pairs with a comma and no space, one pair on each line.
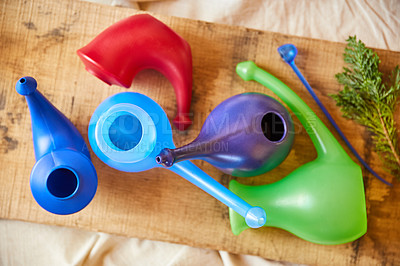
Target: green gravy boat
322,201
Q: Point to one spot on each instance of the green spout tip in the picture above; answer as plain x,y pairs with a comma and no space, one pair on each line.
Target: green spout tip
246,70
26,86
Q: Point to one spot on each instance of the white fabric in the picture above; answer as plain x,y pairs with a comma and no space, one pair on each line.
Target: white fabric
23,243
377,23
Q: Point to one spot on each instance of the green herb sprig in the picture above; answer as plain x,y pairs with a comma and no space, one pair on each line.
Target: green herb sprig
370,101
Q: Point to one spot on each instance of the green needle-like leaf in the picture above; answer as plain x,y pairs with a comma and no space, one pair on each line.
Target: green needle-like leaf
366,99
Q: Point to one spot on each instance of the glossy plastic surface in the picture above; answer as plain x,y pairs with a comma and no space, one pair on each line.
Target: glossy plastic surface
63,179
138,42
246,135
288,53
128,130
322,201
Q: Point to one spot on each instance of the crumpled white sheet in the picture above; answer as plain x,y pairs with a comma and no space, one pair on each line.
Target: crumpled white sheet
23,243
376,23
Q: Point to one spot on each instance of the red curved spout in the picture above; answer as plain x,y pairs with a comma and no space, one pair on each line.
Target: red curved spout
118,53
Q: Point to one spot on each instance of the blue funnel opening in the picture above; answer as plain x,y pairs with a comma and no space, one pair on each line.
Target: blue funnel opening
273,127
125,132
62,183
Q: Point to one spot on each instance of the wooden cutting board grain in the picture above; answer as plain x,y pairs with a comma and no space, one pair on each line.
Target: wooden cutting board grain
40,39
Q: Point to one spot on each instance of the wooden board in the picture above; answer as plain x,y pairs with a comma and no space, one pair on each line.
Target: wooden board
40,39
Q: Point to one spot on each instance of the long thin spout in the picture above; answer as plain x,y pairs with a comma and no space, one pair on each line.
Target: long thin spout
322,138
50,128
254,216
168,157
